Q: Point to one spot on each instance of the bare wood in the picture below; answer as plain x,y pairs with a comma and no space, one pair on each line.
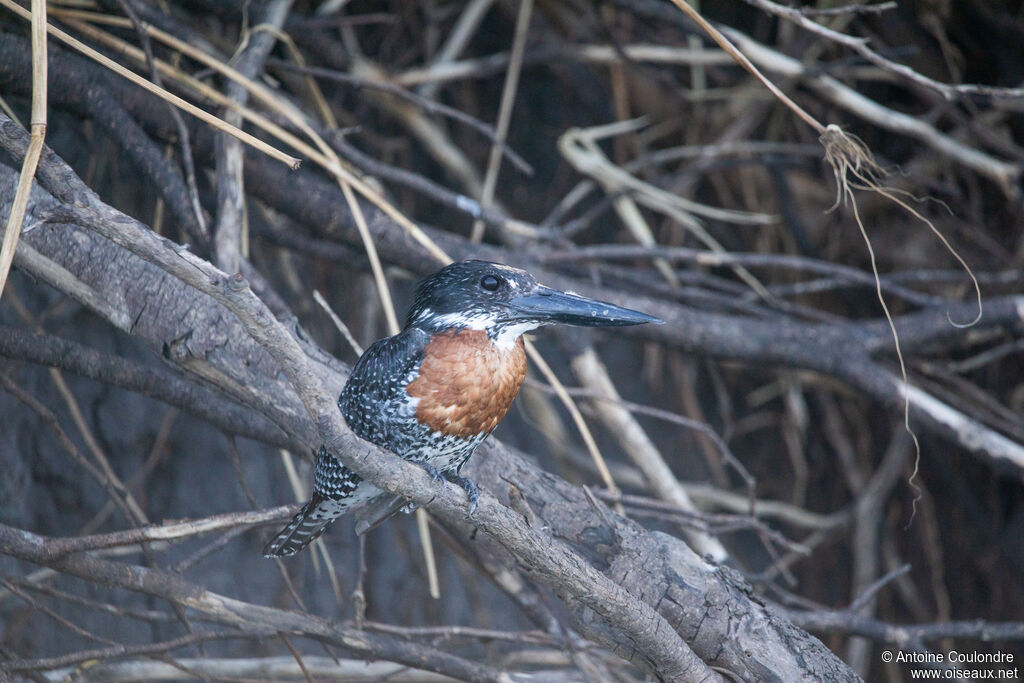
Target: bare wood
743,61
815,331
230,234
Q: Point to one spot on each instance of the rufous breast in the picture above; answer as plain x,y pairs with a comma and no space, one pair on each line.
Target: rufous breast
466,382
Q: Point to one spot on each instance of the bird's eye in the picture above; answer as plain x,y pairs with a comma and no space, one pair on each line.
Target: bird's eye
490,283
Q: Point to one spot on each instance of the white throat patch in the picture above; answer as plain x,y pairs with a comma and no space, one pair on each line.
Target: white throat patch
477,322
507,334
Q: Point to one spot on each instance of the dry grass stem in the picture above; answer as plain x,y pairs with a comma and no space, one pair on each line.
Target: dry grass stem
38,132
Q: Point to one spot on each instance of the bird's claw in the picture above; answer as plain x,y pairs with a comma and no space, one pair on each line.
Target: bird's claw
466,484
434,473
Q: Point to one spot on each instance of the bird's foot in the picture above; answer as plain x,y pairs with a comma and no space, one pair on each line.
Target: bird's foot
434,473
466,484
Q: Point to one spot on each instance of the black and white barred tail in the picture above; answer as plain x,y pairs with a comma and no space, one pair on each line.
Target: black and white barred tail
336,490
307,526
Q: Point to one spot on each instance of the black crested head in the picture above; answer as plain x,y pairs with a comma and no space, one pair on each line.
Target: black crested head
467,294
505,302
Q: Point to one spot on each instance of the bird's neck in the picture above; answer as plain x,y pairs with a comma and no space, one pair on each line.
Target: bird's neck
504,336
508,336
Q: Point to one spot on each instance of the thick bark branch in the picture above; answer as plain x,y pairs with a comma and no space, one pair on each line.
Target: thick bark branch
198,400
712,607
243,615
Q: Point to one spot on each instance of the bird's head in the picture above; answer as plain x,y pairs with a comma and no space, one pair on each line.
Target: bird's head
505,302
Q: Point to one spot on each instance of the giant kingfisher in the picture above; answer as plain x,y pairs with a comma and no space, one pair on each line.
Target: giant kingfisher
435,390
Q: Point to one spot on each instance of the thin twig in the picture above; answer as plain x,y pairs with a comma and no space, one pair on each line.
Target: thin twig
860,46
342,327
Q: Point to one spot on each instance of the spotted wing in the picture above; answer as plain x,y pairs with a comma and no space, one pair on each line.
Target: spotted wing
374,401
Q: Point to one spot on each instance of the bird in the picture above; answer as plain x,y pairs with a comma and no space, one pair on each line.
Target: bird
434,391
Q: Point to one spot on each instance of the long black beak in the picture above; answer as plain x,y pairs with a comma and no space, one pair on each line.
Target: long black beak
550,305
